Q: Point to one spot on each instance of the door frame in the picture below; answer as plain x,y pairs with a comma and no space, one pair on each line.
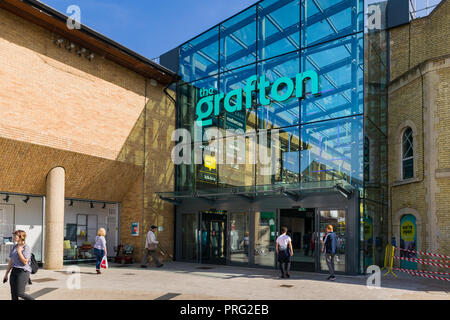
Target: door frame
317,240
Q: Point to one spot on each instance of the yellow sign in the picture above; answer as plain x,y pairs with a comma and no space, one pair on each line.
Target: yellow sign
408,231
210,162
368,230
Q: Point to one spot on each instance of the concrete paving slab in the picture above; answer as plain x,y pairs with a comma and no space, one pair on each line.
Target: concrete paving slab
185,281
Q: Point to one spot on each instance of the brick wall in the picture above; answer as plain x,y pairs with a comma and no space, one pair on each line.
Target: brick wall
419,93
106,125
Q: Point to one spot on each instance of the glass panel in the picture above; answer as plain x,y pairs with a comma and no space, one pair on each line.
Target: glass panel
199,57
238,40
300,226
336,218
265,238
333,150
407,144
278,27
278,156
189,237
340,66
276,114
244,119
408,169
213,237
325,20
239,237
237,168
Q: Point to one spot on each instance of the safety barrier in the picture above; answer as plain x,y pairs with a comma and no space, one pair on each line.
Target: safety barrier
390,256
421,274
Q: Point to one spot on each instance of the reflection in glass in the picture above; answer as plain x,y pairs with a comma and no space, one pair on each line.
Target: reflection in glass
337,219
238,120
275,114
189,237
340,67
325,20
278,27
239,240
333,150
199,57
238,40
265,238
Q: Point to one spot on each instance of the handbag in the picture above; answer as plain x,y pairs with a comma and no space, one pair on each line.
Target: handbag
104,263
152,246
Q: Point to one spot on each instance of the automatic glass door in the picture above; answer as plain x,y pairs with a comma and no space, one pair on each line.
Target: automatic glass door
213,237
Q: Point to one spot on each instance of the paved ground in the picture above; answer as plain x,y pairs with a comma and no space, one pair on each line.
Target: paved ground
188,281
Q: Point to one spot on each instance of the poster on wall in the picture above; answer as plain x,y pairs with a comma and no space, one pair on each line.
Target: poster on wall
408,241
135,229
368,241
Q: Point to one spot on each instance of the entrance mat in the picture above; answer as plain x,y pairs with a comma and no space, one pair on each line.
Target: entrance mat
204,268
286,286
43,280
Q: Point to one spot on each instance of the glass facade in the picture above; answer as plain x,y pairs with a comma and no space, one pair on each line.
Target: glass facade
335,134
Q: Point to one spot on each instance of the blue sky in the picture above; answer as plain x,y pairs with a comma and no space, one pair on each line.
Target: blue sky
152,27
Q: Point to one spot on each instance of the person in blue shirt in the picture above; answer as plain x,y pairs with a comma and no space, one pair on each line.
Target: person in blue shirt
330,246
19,262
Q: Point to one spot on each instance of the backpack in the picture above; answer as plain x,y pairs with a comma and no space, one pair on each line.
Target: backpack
33,264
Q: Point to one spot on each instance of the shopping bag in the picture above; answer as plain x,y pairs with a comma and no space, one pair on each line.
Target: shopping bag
104,263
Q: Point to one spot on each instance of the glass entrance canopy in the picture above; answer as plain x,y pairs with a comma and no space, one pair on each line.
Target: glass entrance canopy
293,191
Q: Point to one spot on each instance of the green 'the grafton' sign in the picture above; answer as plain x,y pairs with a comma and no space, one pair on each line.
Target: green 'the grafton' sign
232,101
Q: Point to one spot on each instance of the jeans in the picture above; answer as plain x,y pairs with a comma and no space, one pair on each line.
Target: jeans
330,263
99,254
154,255
18,280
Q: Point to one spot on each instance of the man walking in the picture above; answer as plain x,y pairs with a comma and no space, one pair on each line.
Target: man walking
330,245
150,248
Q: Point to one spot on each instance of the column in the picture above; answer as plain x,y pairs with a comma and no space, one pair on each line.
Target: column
54,219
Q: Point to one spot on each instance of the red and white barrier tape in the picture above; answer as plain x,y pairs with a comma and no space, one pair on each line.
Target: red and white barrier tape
428,260
425,253
415,273
435,272
422,261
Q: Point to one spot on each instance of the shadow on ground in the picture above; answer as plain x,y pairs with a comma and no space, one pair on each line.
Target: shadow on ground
403,282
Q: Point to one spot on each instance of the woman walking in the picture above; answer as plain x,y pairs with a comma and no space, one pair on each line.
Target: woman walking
100,248
20,256
284,251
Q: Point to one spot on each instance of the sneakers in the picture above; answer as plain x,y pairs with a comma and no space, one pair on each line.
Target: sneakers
160,265
288,275
143,266
98,271
332,278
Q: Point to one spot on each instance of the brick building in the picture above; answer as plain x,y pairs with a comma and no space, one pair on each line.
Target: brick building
85,136
83,130
418,113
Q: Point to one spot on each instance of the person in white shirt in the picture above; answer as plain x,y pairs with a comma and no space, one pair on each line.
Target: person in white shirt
283,248
150,248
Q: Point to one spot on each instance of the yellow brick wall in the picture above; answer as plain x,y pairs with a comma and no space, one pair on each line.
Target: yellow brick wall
97,119
54,97
443,198
424,42
420,40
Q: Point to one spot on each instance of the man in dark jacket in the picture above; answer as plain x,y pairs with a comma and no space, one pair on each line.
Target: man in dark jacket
330,245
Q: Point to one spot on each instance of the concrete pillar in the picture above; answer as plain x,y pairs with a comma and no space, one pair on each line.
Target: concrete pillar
54,219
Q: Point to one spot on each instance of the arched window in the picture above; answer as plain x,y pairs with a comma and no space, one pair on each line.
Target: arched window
407,154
